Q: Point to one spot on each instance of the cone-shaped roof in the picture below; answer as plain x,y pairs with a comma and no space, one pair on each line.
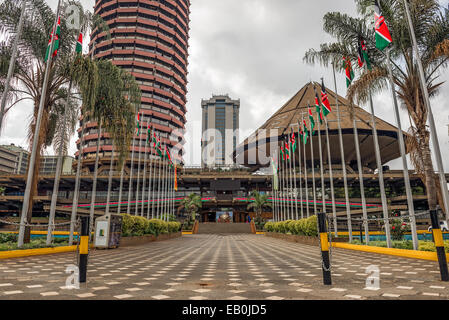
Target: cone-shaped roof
292,113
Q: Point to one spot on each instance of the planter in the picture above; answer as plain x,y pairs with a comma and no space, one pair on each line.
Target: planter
135,241
311,241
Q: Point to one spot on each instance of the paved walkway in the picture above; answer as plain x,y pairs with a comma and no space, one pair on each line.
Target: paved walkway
212,267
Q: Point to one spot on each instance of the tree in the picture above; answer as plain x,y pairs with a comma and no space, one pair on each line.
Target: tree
191,205
29,74
431,22
260,201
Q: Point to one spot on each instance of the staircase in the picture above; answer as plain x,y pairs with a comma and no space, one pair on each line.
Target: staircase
220,228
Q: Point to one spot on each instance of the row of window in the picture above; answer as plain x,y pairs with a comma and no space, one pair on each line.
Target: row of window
155,72
135,15
147,6
127,25
161,43
136,57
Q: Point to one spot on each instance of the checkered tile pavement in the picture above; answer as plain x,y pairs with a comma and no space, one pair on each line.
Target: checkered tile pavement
220,267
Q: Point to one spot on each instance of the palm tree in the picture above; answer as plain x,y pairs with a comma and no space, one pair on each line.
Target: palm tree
260,201
191,205
431,22
29,74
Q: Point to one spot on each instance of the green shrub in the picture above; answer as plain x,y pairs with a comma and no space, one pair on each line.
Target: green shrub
269,226
157,227
290,227
430,246
174,226
127,225
311,226
8,237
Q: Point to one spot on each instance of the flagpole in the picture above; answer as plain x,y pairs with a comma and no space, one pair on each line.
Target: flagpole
95,181
159,187
164,184
136,209
305,171
54,196
108,197
77,187
144,172
433,132
331,178
291,178
281,180
130,186
27,195
313,174
411,206
300,173
362,187
284,211
278,193
78,175
343,162
120,194
12,63
294,178
150,180
380,174
323,187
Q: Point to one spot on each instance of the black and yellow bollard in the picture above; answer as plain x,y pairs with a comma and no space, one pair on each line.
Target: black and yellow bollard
322,229
83,249
439,244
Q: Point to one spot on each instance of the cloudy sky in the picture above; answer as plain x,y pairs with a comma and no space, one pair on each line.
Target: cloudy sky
252,50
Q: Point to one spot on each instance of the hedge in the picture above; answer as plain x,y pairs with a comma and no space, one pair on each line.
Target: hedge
139,226
304,227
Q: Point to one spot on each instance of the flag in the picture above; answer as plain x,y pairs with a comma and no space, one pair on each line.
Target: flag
363,55
55,41
318,110
383,36
293,141
79,44
176,180
282,153
138,125
349,72
301,133
306,132
167,155
324,100
275,175
287,150
312,121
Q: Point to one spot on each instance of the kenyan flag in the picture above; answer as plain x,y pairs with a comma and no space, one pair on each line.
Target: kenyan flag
79,44
55,41
312,121
301,133
293,141
324,100
363,55
349,72
383,37
282,153
138,125
306,132
318,109
287,150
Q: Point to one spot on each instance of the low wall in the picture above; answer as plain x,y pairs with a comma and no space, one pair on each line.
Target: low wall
135,241
312,241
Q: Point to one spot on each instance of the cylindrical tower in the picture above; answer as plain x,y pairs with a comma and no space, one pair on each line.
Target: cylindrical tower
150,40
